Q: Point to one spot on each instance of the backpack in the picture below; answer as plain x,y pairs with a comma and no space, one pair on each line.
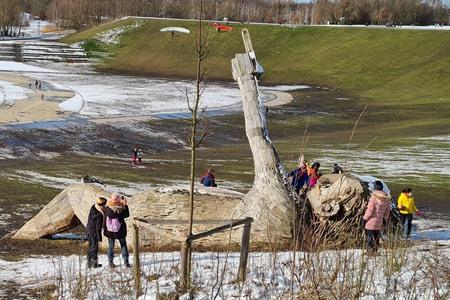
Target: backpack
112,224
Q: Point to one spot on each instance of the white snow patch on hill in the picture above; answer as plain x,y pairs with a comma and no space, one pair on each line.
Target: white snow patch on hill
114,35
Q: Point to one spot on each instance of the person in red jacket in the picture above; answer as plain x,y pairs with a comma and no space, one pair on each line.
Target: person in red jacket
378,209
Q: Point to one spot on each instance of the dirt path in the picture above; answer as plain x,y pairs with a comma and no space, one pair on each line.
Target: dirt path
34,108
281,98
30,111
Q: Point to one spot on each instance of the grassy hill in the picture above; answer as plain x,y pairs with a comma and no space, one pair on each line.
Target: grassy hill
386,66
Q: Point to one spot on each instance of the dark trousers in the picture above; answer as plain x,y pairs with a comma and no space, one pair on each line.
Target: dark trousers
373,239
92,254
406,218
123,248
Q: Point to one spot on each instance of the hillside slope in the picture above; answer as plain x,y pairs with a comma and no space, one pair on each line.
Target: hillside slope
385,65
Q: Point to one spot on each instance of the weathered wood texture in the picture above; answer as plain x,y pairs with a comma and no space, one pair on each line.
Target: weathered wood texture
269,202
167,209
56,216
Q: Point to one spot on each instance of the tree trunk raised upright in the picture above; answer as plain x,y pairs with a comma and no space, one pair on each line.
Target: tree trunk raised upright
271,200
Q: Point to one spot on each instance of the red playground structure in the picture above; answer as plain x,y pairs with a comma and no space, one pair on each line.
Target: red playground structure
222,28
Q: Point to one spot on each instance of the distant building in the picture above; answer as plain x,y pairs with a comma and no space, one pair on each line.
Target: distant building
25,19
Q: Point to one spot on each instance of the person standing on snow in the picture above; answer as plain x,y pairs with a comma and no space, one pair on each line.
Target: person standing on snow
378,209
406,205
116,228
94,230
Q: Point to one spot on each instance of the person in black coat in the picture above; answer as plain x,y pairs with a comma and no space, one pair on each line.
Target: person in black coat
116,228
94,230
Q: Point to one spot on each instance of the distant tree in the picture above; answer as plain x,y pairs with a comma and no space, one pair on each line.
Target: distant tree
10,17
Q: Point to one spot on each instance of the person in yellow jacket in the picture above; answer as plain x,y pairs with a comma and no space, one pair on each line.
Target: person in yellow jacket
407,208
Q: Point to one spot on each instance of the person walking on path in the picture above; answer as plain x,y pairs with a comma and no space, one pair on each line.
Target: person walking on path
378,210
94,230
209,179
116,228
139,156
407,207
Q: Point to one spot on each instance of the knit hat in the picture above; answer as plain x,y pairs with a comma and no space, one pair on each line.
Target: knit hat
101,200
378,186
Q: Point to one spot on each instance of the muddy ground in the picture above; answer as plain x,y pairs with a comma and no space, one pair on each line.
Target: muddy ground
38,160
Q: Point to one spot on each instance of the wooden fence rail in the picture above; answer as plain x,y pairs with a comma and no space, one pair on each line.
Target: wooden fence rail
184,255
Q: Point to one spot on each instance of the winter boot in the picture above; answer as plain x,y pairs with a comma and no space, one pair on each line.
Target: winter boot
127,264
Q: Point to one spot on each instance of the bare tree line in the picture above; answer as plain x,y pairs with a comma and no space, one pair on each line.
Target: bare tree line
393,12
79,14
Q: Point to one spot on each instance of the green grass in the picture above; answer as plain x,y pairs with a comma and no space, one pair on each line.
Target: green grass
383,66
402,75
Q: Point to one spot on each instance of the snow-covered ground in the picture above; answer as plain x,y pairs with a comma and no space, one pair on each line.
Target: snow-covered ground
10,92
402,163
100,96
12,66
400,273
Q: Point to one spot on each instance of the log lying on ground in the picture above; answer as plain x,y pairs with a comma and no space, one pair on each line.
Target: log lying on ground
165,212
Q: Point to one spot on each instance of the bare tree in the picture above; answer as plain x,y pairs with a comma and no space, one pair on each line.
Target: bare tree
198,131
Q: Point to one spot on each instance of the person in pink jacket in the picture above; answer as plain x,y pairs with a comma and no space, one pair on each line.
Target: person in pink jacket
377,210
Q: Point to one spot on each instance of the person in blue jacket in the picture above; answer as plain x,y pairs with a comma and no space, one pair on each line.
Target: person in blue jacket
299,177
209,179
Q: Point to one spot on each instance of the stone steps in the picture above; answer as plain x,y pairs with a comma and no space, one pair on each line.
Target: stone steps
36,51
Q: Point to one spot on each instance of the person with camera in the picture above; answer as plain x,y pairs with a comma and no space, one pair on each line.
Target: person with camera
116,229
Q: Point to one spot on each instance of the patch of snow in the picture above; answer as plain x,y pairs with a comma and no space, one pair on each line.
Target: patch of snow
400,163
10,92
74,104
6,153
113,36
4,219
12,66
439,138
269,275
108,96
48,181
48,155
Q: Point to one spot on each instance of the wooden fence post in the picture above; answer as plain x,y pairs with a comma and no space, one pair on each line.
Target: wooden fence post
184,269
245,248
136,264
